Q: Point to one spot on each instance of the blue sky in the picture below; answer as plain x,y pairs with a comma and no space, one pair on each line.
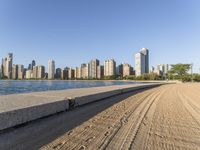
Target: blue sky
74,31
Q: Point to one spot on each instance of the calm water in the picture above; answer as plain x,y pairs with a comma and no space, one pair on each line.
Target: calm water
13,87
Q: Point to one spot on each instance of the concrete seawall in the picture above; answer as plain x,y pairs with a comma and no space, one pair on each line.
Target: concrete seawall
21,108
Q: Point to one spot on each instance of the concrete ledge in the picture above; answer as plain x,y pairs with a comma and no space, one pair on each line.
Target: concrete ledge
130,89
21,108
19,116
95,97
82,100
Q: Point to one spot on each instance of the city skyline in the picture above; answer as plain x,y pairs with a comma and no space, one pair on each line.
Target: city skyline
93,69
68,30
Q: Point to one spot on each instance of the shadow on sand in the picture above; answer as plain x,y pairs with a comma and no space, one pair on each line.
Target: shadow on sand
40,132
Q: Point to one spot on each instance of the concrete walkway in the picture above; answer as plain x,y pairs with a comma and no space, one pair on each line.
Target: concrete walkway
17,109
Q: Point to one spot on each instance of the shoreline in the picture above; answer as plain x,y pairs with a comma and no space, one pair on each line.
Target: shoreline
137,81
30,86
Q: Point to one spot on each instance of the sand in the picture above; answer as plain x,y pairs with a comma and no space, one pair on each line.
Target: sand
162,118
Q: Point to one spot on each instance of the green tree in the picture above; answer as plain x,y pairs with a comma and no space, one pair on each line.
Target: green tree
180,69
180,72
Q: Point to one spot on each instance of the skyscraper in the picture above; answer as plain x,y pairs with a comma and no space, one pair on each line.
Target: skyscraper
77,73
109,67
35,72
142,62
145,52
29,74
85,71
41,72
64,74
15,72
71,73
126,70
20,72
100,72
7,66
29,67
51,69
93,68
163,68
119,70
58,73
33,64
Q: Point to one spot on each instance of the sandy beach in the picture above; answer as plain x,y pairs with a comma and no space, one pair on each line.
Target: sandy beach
163,118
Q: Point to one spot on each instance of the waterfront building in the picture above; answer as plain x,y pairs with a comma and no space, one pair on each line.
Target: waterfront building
85,71
119,70
64,74
127,70
40,72
93,68
100,72
7,66
29,74
163,69
139,64
142,62
51,69
109,67
77,73
35,70
145,52
20,72
15,72
71,73
58,73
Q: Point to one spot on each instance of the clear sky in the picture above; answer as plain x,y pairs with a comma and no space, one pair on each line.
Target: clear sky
74,31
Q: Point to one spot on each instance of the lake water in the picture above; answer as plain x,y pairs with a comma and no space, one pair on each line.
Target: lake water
13,87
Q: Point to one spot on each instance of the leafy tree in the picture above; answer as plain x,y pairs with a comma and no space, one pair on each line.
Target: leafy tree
180,72
196,77
180,69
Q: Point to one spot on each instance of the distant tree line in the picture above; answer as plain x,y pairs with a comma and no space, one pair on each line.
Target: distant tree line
177,72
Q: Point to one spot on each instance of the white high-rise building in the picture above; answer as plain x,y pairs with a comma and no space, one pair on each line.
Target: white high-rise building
71,73
85,71
20,72
163,68
139,64
142,62
77,73
15,72
29,74
93,68
7,66
109,67
41,72
51,69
